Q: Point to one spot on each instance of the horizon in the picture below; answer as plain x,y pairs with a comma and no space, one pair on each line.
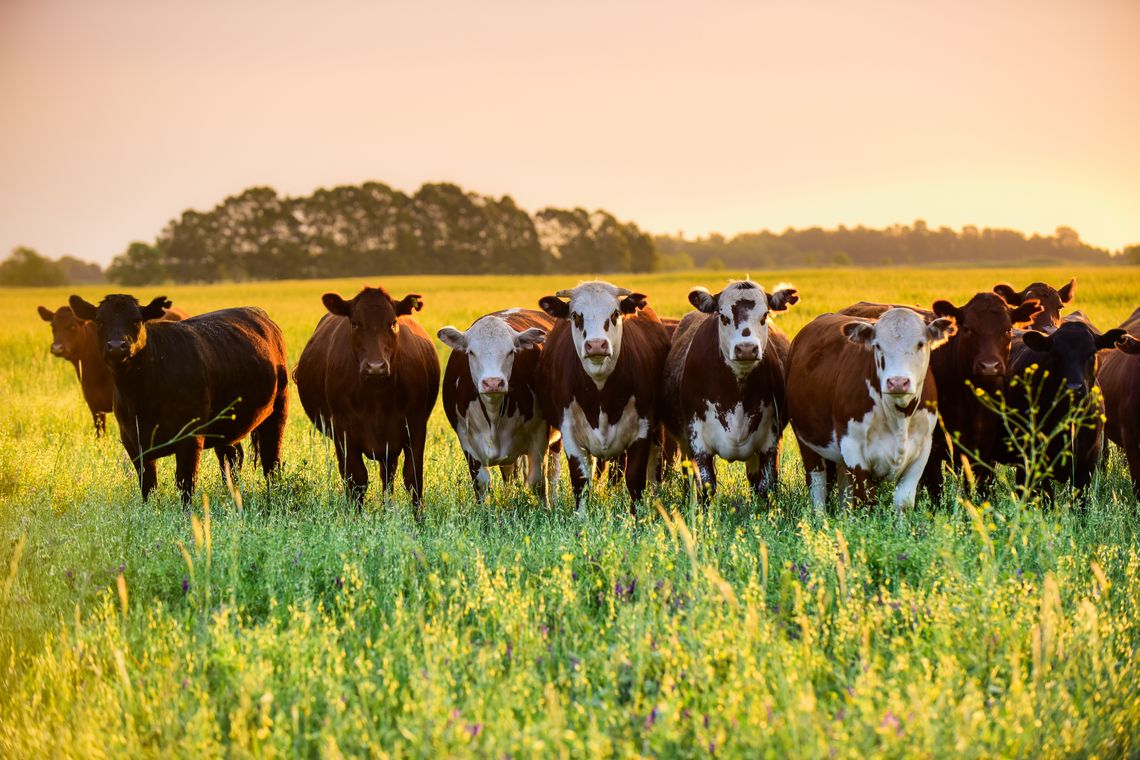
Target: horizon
725,120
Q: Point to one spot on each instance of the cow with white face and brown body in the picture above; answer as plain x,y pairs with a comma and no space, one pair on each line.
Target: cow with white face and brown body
598,381
490,397
724,382
859,394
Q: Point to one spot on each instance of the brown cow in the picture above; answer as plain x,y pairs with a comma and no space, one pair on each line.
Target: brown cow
973,357
490,398
205,382
75,340
1119,380
1052,300
599,378
368,379
859,393
724,382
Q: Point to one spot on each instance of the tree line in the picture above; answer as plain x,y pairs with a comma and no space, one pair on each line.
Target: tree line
372,229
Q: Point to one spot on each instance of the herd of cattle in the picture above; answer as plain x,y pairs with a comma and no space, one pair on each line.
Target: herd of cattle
598,374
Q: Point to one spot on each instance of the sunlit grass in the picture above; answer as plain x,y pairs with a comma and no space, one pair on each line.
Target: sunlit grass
300,626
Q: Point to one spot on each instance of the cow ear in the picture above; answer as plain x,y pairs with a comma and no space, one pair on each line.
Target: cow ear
155,309
45,314
634,301
1008,294
782,299
82,309
1110,339
703,300
1129,345
1023,314
530,338
1068,291
411,302
452,338
859,333
1037,341
939,331
944,308
554,306
336,305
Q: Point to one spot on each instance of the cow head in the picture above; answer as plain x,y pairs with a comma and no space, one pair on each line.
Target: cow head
742,310
491,346
1072,352
985,330
67,331
596,311
1052,300
120,322
902,342
374,328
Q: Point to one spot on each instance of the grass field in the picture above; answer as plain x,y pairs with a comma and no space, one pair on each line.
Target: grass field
299,627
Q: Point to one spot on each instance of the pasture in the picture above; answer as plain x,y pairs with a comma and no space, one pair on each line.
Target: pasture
296,626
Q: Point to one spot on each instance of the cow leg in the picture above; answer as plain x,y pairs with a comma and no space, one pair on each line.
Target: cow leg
148,476
581,472
509,471
187,455
267,436
353,471
816,469
706,475
480,476
862,489
414,469
761,469
229,459
100,423
536,466
637,471
554,468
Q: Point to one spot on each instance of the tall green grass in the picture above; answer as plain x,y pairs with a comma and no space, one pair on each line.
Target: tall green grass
295,625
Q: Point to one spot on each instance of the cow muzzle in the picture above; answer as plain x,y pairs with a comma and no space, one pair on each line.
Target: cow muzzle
116,350
57,349
493,385
898,385
746,352
989,369
597,349
375,370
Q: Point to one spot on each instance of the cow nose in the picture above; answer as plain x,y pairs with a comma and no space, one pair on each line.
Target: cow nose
898,385
375,368
989,369
597,347
746,351
494,385
116,349
57,349
1077,388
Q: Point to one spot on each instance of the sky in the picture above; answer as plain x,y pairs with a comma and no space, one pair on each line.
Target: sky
117,115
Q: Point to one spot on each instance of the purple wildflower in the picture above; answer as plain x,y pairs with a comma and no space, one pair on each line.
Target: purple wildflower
474,729
651,718
185,584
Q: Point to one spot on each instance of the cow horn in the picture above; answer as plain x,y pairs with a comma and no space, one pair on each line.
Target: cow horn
623,292
564,293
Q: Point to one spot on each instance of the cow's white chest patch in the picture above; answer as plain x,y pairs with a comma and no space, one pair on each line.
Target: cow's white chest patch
733,433
885,444
609,438
495,441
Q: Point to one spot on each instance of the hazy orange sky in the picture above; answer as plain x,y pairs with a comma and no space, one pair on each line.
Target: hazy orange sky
718,116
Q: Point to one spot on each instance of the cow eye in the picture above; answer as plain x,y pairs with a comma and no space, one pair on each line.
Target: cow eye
921,345
615,316
395,327
723,319
764,319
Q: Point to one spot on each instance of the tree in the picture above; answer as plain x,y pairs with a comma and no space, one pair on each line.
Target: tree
141,264
1131,254
24,267
79,272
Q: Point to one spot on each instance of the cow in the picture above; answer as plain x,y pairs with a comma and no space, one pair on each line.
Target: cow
368,379
1052,300
598,381
207,381
1119,381
973,358
490,397
76,340
1051,379
724,382
860,395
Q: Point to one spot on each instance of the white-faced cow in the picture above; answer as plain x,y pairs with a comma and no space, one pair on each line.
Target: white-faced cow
724,382
599,378
368,379
490,397
205,382
859,396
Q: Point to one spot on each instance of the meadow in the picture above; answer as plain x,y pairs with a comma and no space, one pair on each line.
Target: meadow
294,625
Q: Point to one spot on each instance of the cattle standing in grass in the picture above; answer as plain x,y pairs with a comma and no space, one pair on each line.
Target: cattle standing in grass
974,357
1052,300
225,368
599,378
77,341
490,398
1055,379
368,378
859,394
1119,380
724,382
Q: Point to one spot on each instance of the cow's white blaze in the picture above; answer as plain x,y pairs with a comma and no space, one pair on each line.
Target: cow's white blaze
596,326
491,345
734,434
742,325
